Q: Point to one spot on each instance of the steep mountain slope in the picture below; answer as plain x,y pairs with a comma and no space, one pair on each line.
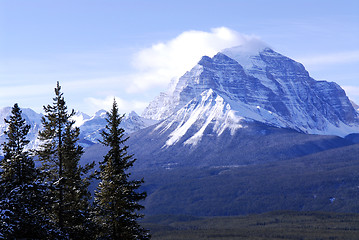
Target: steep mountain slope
263,86
253,143
221,110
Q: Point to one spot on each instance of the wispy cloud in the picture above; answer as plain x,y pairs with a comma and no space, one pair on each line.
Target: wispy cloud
161,62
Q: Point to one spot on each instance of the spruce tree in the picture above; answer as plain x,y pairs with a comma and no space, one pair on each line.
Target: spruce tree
22,194
60,154
117,197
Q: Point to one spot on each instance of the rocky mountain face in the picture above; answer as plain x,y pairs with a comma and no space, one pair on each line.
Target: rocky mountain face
265,86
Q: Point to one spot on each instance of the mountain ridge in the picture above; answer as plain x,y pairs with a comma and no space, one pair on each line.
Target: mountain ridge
90,126
276,89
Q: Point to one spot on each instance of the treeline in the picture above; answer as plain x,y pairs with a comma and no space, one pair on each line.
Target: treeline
53,201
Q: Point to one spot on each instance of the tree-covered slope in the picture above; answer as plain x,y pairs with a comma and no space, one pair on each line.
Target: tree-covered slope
325,181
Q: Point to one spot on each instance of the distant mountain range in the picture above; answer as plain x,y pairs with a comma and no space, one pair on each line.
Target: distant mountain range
90,127
245,131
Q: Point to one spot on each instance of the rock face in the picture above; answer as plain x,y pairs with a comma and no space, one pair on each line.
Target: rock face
236,85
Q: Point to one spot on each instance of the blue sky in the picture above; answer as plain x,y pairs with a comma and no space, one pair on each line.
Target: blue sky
99,49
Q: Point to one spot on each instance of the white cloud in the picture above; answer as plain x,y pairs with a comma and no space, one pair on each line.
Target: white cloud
124,106
163,61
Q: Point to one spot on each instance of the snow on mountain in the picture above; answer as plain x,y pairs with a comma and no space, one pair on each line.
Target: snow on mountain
236,86
207,108
90,127
80,118
257,84
31,117
133,122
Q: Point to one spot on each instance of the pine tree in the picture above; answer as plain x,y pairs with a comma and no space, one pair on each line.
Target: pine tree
116,198
22,195
60,155
76,195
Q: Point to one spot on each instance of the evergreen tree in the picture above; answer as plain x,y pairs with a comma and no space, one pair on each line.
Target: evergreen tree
60,155
22,195
116,198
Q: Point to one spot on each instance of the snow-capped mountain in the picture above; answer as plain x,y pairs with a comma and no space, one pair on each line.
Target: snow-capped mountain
208,108
80,118
237,85
90,127
31,117
230,119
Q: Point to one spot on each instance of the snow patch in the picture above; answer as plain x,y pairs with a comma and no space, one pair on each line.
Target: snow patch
208,109
80,118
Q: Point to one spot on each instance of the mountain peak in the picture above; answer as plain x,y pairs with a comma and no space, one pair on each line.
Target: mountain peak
101,113
80,118
252,49
133,114
262,85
